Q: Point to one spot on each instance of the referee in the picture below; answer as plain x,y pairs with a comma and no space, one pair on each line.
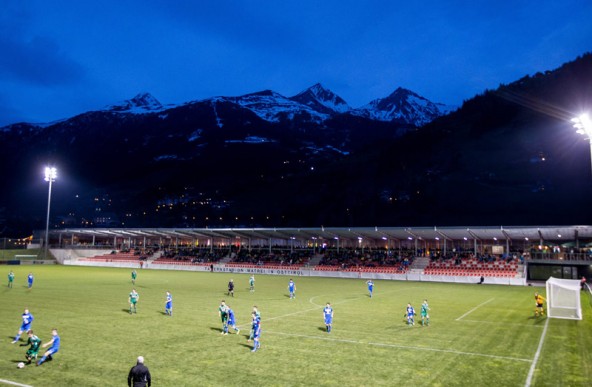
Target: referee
139,376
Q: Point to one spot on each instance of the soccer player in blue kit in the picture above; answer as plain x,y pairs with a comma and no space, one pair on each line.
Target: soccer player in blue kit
258,316
328,315
55,347
292,289
231,322
168,307
410,313
30,279
256,331
370,284
25,326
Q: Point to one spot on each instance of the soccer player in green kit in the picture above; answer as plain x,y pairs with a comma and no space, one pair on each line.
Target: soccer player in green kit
252,283
10,278
134,276
223,313
133,300
35,343
425,317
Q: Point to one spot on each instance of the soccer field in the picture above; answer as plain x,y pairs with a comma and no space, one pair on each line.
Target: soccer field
479,335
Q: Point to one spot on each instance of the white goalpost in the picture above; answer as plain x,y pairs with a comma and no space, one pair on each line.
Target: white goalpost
563,299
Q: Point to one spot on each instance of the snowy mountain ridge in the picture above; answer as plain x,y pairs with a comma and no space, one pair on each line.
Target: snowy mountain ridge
315,104
272,106
321,99
142,103
405,106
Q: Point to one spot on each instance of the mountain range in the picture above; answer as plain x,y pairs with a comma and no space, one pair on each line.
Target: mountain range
507,156
315,104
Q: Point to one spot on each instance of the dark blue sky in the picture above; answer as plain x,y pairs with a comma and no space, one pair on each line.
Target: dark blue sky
60,58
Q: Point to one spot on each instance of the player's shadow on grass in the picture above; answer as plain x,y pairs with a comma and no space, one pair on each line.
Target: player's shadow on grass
250,346
163,313
215,329
537,319
322,329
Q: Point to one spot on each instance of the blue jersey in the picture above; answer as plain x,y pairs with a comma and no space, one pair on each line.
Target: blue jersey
56,344
30,278
410,311
328,313
256,327
231,320
169,301
258,315
291,286
370,285
27,320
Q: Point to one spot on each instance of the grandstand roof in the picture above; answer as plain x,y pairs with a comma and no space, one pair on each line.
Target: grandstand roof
547,233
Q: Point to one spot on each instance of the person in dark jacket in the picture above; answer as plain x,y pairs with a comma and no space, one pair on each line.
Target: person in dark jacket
139,376
231,288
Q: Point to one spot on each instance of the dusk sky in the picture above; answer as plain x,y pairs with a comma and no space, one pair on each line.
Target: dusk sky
61,58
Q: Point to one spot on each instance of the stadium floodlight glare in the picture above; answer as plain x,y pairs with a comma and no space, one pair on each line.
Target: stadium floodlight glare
51,173
583,124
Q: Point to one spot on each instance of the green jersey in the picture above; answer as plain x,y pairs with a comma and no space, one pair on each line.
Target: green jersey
134,275
35,344
424,309
10,277
252,281
223,310
134,297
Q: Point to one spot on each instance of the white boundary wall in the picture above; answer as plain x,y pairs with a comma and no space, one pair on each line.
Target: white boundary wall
303,272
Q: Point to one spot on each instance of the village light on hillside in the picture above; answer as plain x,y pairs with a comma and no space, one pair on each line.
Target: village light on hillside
50,175
583,124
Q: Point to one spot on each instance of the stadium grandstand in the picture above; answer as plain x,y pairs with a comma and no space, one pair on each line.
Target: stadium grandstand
504,255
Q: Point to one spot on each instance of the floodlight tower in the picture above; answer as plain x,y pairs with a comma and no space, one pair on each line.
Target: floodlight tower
583,124
50,175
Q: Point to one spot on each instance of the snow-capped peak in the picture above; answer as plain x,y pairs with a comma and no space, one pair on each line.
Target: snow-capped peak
141,103
321,99
273,107
405,106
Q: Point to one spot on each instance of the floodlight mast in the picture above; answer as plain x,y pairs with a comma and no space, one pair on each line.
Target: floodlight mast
51,173
583,124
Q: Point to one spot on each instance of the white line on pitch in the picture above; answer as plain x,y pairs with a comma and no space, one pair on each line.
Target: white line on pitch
285,315
317,307
536,356
401,346
14,383
504,324
474,309
310,300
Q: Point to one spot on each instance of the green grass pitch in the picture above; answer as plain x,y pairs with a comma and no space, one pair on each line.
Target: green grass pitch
479,335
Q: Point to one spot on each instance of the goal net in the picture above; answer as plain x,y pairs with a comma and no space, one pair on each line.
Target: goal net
563,299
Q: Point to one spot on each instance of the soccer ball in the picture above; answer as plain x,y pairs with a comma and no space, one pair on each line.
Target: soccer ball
21,365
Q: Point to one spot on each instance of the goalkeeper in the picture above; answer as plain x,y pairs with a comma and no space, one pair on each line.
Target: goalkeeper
540,303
